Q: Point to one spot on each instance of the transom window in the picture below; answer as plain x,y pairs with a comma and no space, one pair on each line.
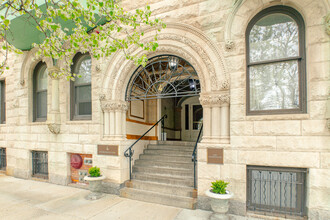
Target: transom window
81,95
276,62
40,84
165,76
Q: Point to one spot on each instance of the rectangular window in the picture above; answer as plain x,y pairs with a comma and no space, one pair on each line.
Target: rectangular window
40,164
3,162
187,117
276,190
2,102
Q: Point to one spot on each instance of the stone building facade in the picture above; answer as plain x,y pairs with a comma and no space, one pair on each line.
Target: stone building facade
211,35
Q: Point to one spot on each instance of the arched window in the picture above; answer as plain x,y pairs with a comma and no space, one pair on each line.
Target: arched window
40,84
81,95
275,42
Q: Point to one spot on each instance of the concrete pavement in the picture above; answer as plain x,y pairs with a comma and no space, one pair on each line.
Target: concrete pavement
29,199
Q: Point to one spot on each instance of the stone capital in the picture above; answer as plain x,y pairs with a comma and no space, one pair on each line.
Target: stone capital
215,99
114,105
53,72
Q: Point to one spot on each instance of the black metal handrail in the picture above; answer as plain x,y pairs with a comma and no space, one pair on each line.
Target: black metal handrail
129,152
194,156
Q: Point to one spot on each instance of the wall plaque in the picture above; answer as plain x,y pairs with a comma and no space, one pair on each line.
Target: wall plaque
215,155
107,150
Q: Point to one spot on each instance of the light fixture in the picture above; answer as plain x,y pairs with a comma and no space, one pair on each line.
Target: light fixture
173,62
192,84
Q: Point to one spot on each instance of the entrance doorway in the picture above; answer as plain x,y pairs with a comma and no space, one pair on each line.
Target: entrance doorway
175,84
191,118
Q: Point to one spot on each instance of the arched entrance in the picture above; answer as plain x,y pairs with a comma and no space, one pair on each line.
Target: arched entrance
168,79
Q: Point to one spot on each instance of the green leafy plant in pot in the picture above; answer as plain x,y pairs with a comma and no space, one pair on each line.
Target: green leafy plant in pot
94,172
94,179
219,197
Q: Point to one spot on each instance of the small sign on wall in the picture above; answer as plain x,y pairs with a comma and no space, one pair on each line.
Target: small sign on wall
111,150
215,155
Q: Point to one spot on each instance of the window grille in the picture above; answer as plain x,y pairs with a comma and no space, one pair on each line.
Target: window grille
3,162
276,191
40,164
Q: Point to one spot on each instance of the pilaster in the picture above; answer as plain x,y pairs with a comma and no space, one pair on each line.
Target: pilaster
114,119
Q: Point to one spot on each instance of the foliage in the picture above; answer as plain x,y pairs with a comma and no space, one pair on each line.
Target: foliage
219,186
94,171
119,30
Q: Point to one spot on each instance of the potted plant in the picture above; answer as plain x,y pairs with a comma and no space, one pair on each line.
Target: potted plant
219,198
94,179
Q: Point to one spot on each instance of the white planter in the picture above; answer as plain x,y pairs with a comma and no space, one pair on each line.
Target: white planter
219,204
95,183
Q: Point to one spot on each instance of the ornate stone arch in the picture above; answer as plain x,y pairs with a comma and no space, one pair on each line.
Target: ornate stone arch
29,63
26,76
244,10
177,39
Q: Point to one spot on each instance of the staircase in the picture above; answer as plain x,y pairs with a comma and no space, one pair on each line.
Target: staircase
164,174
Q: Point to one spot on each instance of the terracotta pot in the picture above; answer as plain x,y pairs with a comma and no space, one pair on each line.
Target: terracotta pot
219,204
95,183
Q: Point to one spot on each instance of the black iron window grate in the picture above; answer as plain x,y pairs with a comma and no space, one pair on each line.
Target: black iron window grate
40,164
276,191
3,162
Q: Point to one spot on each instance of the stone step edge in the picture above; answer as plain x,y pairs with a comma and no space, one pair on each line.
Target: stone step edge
150,197
164,168
164,161
169,155
173,177
159,194
130,184
172,146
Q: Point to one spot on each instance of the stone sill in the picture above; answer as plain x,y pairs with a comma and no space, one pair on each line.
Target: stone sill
37,123
79,122
277,117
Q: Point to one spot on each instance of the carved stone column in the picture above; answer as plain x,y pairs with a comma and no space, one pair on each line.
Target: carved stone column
114,116
206,103
215,117
224,118
54,116
216,123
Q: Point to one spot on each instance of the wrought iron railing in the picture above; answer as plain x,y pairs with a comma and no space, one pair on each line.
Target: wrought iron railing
129,152
3,162
194,156
40,164
276,190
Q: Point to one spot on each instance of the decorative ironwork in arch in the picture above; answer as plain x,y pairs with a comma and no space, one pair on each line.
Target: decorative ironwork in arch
165,76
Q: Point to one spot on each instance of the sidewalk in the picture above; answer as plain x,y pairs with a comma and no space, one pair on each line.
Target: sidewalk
28,199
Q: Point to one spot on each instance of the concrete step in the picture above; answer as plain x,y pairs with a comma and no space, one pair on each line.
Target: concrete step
170,147
153,163
160,198
163,171
168,152
168,158
177,143
168,179
162,188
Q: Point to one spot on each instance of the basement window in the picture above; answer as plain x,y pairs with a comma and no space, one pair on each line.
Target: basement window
40,164
276,191
3,162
